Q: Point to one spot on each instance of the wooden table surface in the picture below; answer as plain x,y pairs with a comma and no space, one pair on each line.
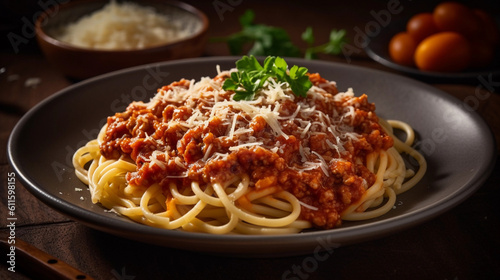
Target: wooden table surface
463,243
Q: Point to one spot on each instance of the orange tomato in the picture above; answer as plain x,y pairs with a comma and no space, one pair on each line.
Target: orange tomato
421,26
456,17
443,52
402,49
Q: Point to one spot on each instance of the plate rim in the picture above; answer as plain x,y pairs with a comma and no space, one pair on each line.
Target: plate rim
439,76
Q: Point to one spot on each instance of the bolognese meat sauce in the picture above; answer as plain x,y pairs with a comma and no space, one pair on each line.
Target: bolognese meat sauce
314,147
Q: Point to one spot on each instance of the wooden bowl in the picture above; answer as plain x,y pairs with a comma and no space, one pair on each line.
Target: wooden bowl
81,62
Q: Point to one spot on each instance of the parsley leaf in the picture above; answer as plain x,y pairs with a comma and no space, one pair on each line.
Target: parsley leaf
259,39
263,40
251,76
299,81
333,46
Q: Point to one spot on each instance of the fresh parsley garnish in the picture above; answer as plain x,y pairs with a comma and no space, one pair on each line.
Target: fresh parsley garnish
259,39
251,76
264,40
333,46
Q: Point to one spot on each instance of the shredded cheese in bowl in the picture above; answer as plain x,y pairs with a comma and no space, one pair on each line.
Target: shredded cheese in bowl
122,26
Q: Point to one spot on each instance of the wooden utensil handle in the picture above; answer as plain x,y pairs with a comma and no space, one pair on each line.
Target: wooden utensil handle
36,262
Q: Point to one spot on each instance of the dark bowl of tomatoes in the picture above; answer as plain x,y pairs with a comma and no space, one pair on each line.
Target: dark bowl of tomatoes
452,43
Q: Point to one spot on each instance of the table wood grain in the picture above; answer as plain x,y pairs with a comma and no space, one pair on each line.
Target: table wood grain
463,243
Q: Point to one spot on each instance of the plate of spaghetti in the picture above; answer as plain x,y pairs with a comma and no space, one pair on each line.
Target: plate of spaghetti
251,157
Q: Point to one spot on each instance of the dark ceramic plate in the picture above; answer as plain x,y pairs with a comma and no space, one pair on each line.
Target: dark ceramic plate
456,142
377,49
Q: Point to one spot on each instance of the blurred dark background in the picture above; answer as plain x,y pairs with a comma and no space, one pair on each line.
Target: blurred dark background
17,16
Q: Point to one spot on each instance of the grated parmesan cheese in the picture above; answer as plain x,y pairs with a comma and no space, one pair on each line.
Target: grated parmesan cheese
154,160
308,206
235,148
122,26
